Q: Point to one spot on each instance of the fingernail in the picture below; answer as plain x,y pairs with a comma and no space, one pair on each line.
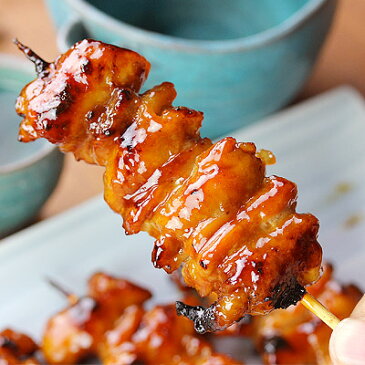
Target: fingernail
348,342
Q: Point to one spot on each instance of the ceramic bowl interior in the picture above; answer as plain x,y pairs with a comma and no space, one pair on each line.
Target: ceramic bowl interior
226,58
14,74
201,19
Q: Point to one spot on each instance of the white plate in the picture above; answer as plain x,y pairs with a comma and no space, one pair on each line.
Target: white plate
318,144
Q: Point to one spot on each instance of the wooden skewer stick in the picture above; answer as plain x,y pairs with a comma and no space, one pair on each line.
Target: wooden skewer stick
71,297
319,310
40,64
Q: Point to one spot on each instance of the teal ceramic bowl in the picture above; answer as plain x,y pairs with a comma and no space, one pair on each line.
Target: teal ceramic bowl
236,60
28,172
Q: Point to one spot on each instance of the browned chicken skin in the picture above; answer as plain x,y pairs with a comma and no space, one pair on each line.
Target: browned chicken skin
210,207
17,348
76,332
296,336
112,324
122,332
158,336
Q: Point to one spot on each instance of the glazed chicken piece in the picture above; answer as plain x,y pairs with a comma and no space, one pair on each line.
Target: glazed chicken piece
296,336
158,336
210,207
17,348
242,328
76,332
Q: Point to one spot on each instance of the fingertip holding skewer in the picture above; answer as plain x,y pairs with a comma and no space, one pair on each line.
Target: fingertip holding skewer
318,309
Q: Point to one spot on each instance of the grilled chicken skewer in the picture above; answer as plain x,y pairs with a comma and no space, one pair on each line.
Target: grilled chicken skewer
158,336
112,324
211,209
77,331
17,348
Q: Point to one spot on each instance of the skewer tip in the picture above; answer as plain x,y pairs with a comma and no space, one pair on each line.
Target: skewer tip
71,297
40,64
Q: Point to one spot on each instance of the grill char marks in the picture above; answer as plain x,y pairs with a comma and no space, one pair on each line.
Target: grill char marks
235,233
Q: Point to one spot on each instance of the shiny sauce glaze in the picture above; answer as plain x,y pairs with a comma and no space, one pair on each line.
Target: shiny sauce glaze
158,336
210,207
75,333
17,348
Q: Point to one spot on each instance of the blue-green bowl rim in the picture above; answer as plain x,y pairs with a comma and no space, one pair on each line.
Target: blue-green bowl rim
17,64
289,25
